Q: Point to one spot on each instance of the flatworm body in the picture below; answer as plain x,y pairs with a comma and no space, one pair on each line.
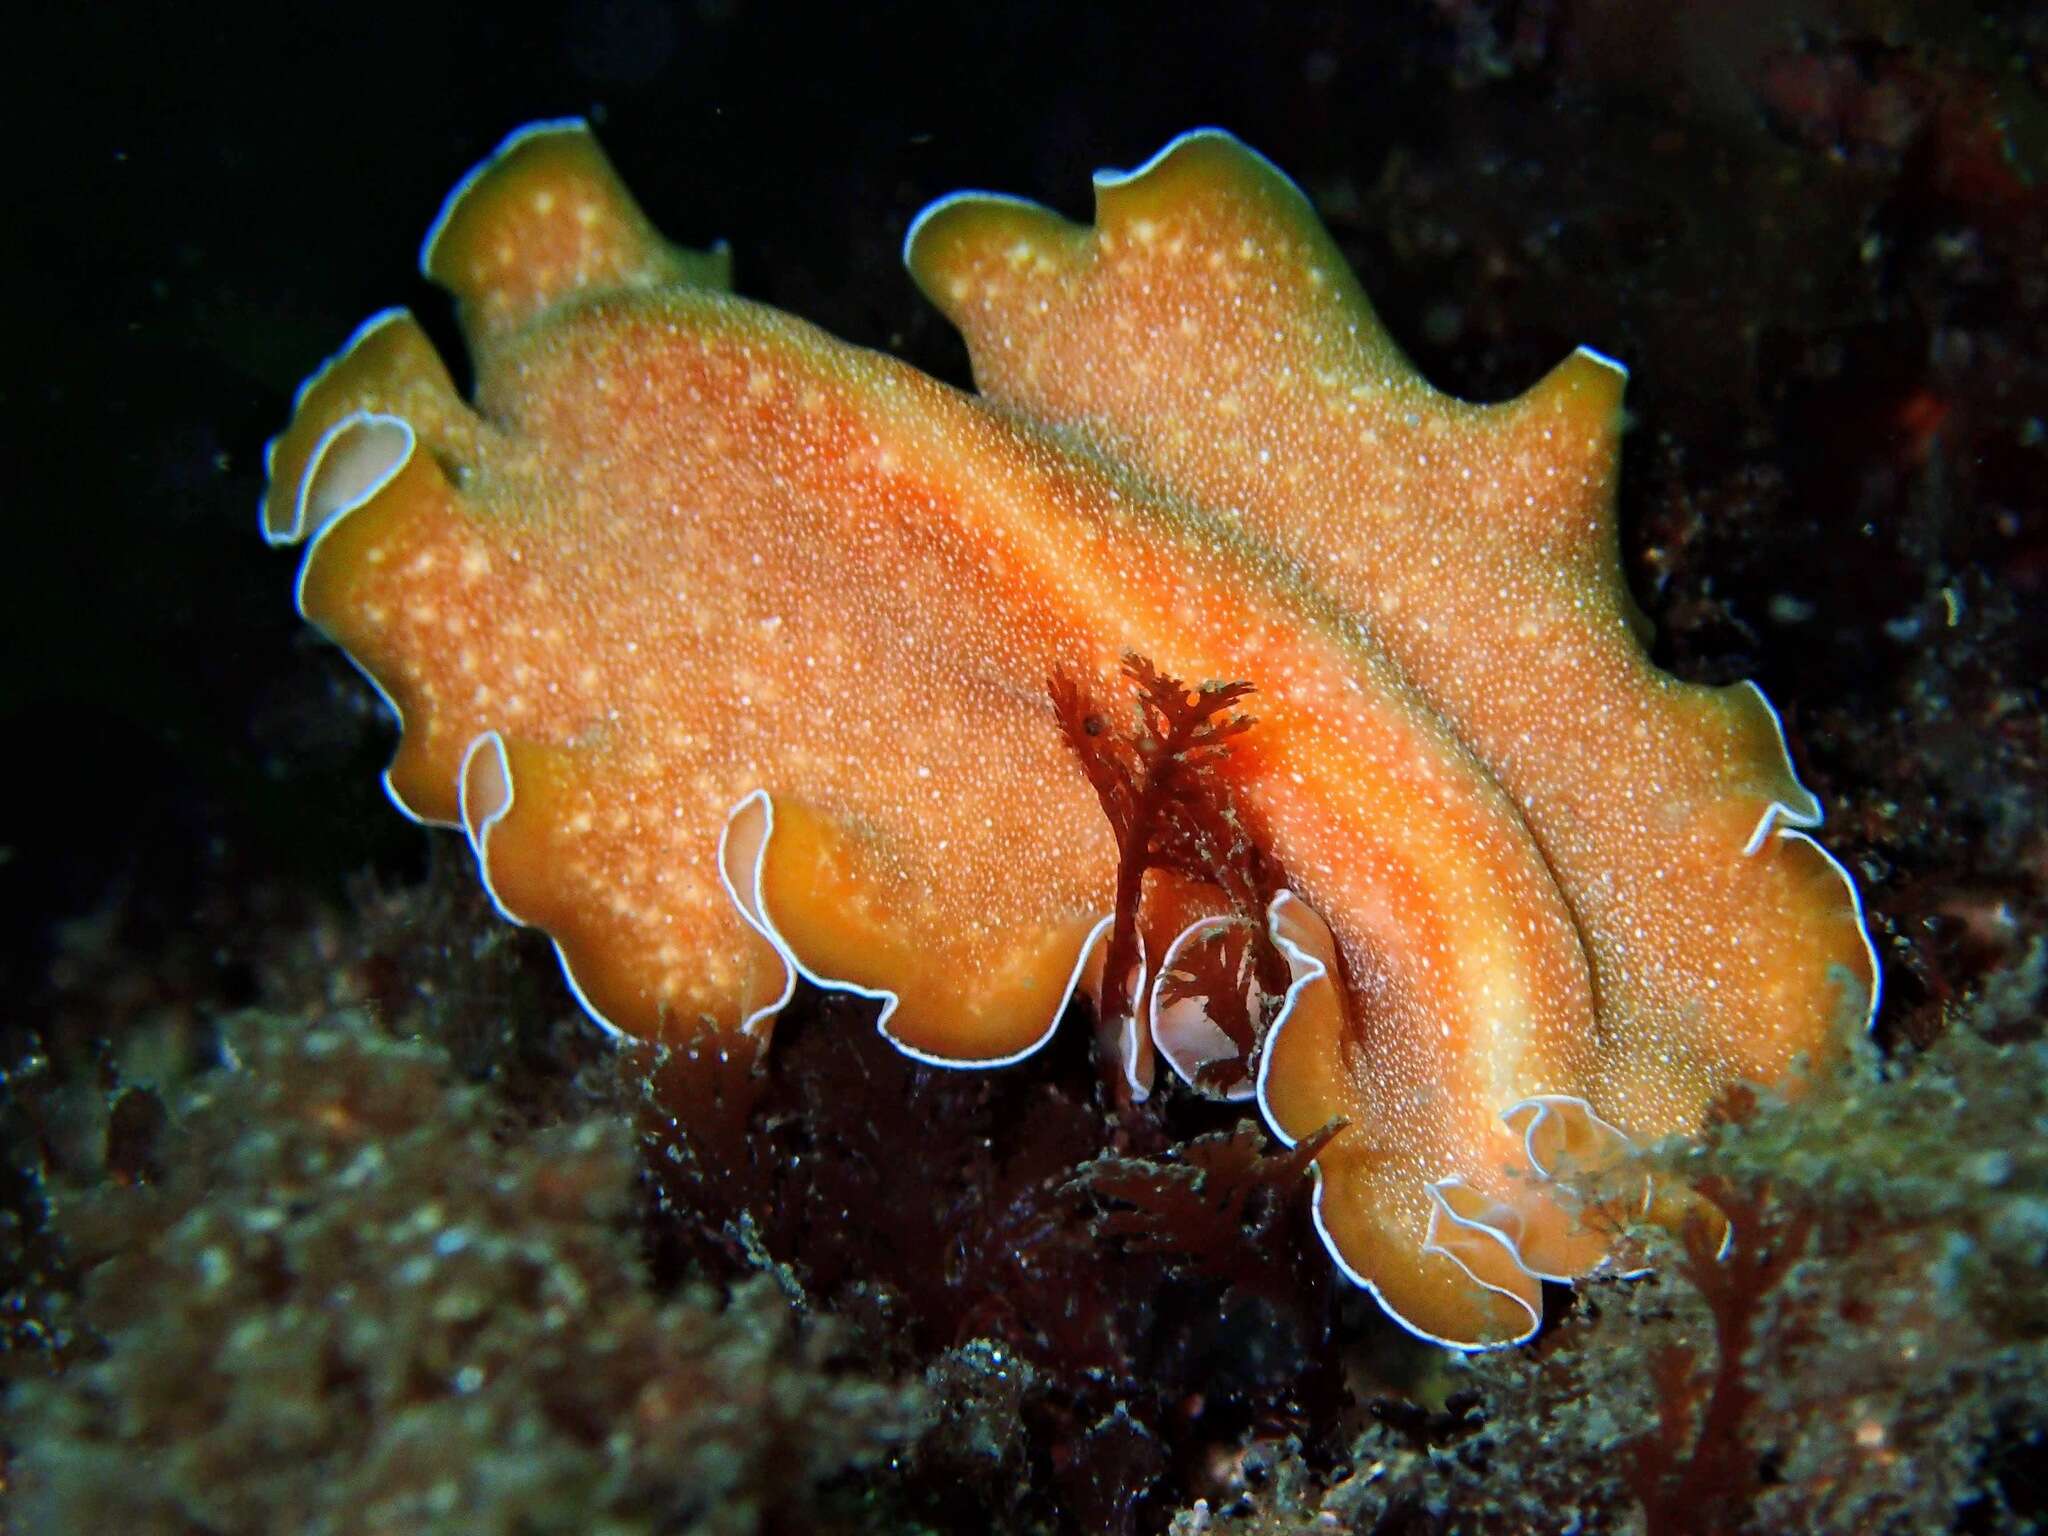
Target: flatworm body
726,643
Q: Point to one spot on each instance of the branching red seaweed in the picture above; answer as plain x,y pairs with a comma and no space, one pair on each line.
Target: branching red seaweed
1696,1473
1171,809
1211,1211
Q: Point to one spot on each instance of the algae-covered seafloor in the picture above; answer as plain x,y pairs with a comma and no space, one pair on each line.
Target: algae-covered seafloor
327,1210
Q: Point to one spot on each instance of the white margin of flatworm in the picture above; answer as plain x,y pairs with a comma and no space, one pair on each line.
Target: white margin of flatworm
1544,1105
479,833
937,206
1782,820
1106,179
1440,1208
1101,181
1595,355
545,128
758,918
1308,970
1201,927
1809,815
1135,1031
281,538
353,422
1862,924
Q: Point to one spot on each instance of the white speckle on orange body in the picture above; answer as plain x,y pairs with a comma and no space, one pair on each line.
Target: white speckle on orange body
1642,791
665,494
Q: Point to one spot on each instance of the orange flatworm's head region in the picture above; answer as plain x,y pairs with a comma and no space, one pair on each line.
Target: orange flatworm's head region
726,645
